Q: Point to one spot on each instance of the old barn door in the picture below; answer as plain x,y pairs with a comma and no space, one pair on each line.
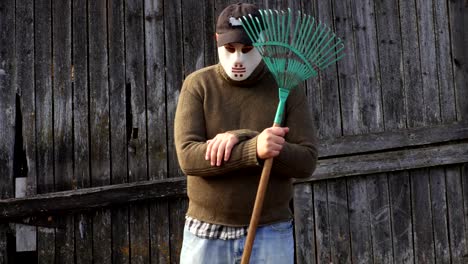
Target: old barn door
392,181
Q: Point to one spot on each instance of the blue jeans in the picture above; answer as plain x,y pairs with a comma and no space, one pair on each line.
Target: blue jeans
273,244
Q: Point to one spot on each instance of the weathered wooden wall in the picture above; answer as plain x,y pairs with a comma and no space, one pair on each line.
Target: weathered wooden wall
88,91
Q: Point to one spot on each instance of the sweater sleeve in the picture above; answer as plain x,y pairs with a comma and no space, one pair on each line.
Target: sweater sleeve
298,158
190,140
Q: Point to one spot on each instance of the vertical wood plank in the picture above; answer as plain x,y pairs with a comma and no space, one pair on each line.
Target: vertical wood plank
303,197
46,245
439,215
99,124
83,238
322,226
340,247
379,206
330,121
458,12
136,126
118,127
3,244
359,221
194,46
304,224
458,239
174,76
347,77
7,114
25,85
209,37
62,96
62,120
464,181
7,97
44,121
390,55
421,213
444,62
81,173
402,228
156,89
370,98
25,153
338,217
411,70
313,87
425,22
157,126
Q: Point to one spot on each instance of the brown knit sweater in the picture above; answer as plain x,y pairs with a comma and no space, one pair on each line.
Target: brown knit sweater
211,103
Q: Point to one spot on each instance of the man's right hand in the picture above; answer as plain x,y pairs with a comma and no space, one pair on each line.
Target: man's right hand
219,148
270,142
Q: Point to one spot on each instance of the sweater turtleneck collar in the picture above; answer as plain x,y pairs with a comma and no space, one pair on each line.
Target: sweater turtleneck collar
256,75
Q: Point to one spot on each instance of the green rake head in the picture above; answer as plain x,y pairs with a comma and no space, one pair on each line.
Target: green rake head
292,50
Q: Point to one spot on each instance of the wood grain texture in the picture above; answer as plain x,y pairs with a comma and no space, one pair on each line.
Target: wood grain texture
7,98
390,56
421,213
439,218
62,122
359,220
431,101
93,197
99,124
380,218
448,111
7,114
44,119
338,217
458,12
118,126
322,223
81,140
457,238
347,68
404,138
369,99
389,161
157,126
174,50
304,224
402,226
411,70
136,126
25,89
329,105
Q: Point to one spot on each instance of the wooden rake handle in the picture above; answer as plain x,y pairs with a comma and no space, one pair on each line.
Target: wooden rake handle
257,210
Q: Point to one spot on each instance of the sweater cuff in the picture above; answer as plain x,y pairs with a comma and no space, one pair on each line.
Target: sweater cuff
243,134
250,152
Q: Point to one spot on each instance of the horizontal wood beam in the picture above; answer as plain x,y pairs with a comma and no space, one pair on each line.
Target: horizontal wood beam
95,197
333,163
351,145
389,161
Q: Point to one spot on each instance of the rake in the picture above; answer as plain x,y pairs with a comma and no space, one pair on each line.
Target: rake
293,52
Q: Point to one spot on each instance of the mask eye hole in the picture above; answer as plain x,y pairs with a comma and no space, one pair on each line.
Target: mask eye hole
247,49
230,48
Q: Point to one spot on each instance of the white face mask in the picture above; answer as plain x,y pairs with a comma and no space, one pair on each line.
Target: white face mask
238,60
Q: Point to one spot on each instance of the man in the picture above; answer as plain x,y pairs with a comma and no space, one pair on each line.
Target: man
223,134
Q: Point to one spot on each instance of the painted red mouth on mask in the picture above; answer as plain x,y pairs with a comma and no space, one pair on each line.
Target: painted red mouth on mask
238,70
